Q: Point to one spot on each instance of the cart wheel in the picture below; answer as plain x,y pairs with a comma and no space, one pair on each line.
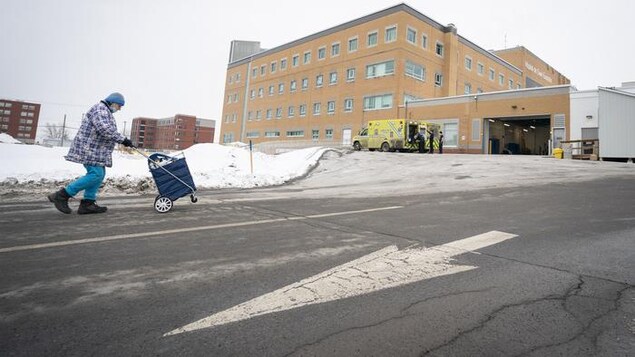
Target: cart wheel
162,204
193,198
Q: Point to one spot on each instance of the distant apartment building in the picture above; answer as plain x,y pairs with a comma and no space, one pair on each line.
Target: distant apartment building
175,133
19,119
326,86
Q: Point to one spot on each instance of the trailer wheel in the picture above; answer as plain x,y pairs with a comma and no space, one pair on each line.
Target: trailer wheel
385,147
162,204
357,146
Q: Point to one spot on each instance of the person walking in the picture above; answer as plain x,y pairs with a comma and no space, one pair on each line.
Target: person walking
440,142
431,137
92,147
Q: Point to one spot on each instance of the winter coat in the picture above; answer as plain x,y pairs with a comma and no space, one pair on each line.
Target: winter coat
96,138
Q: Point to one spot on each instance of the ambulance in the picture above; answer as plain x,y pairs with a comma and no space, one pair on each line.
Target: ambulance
394,135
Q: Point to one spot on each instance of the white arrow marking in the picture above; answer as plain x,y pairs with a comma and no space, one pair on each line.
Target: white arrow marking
383,269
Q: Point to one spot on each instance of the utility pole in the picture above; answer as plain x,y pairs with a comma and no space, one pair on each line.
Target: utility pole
63,129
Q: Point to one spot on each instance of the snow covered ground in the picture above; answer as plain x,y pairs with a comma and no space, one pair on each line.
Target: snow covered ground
29,171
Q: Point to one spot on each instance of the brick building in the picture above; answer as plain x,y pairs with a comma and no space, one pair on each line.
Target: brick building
175,133
326,86
19,119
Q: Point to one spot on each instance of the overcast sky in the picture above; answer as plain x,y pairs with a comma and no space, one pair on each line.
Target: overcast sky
170,56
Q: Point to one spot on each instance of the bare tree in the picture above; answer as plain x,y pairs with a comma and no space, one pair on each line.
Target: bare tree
56,132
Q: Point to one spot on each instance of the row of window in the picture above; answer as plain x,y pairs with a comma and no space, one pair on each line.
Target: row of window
315,134
480,70
390,35
5,127
24,106
22,121
376,102
375,70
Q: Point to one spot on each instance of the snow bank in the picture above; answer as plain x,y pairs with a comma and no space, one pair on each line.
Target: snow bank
211,165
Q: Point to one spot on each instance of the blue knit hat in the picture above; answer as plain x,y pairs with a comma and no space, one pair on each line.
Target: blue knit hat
115,98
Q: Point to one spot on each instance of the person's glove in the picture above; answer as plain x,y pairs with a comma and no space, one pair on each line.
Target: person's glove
127,143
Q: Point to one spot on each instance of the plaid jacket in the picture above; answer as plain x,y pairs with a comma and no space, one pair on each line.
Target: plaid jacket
96,138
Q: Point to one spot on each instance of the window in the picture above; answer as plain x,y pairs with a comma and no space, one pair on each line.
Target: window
330,107
321,53
450,134
480,69
315,134
307,57
295,133
280,88
380,69
252,95
254,72
328,133
391,34
263,70
468,88
293,86
333,78
269,114
439,49
271,90
228,137
424,41
283,64
476,129
258,114
511,84
317,108
492,74
335,49
319,80
372,39
352,44
252,134
272,134
302,110
468,63
411,36
438,79
295,60
305,83
348,105
273,67
501,79
378,102
278,112
415,70
350,74
291,111
260,92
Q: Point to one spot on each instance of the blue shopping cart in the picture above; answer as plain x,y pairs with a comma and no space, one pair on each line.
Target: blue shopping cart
173,179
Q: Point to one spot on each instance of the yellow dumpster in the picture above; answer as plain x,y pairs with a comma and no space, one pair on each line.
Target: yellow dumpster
558,153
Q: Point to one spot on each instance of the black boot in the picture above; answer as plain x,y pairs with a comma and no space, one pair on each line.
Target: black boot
60,199
89,206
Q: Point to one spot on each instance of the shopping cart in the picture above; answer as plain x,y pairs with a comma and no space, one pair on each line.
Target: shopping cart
173,179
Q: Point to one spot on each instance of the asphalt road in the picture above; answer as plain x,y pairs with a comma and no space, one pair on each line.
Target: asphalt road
274,272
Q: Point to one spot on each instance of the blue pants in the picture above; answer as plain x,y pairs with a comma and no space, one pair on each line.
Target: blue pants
89,183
